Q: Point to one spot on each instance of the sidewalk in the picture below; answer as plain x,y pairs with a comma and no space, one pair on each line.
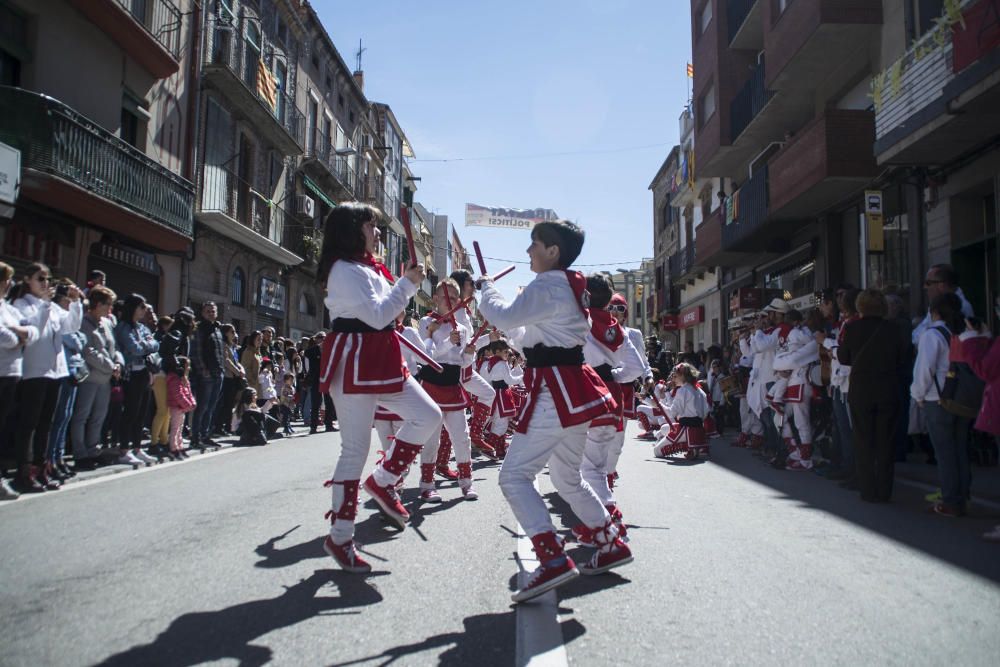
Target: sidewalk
985,480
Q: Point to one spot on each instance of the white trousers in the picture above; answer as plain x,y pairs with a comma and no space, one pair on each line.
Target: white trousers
356,412
562,448
654,419
749,422
480,388
386,429
458,429
498,424
615,453
799,413
597,461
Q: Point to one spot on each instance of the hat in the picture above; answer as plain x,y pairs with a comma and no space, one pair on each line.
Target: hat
777,306
184,311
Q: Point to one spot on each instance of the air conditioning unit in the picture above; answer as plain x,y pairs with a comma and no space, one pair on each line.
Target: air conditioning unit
305,205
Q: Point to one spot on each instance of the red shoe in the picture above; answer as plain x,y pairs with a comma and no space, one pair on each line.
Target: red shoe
584,536
946,510
430,495
387,499
614,555
545,578
619,521
346,556
444,472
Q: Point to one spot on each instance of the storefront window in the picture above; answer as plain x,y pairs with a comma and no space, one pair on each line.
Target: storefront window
796,281
891,269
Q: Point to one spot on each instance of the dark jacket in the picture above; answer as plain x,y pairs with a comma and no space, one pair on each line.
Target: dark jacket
877,351
209,357
313,356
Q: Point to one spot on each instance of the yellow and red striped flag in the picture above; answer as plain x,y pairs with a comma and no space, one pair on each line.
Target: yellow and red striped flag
690,71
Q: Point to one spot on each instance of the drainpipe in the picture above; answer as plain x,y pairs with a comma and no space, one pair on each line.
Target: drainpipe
198,19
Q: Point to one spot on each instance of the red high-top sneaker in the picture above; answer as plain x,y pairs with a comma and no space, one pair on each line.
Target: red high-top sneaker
444,458
346,556
611,551
555,570
428,492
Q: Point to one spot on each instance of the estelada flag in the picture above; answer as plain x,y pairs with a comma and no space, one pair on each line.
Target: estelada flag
690,71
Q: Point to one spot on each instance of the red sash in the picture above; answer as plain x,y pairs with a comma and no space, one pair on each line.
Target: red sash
794,393
692,436
579,394
449,398
628,400
372,362
613,418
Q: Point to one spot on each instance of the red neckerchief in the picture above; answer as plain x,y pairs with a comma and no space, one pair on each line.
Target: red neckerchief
378,267
400,327
606,330
578,283
493,361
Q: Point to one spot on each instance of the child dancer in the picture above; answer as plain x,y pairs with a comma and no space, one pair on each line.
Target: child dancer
473,382
609,351
502,377
649,412
686,410
565,395
362,367
801,353
447,342
180,401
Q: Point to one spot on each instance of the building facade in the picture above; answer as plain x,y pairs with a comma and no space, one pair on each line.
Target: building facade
105,140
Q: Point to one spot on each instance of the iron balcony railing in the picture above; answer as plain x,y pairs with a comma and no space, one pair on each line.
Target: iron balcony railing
682,261
322,150
160,18
737,12
244,64
748,102
55,139
751,207
222,191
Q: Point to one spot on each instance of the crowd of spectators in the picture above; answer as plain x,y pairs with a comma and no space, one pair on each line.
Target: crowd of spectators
91,378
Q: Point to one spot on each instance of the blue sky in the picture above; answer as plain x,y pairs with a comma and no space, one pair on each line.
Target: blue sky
522,78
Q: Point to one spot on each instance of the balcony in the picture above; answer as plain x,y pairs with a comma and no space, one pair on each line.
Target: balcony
940,99
233,209
750,206
746,31
148,30
75,166
681,264
827,161
749,102
332,170
815,43
374,194
242,76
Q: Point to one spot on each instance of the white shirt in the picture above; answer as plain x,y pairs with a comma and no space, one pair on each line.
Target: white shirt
266,382
931,363
502,372
356,291
10,344
546,309
439,344
689,401
635,336
626,362
926,322
409,356
44,358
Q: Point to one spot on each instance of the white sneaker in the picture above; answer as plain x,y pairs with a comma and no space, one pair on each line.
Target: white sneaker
6,492
143,457
128,459
431,496
469,493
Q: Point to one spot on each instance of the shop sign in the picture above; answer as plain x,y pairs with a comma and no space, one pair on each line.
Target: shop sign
10,173
271,297
130,257
746,298
692,316
669,323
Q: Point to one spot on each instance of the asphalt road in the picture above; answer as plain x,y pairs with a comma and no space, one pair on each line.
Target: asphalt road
218,560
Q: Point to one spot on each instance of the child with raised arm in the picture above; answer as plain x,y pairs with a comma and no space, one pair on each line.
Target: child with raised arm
565,395
362,367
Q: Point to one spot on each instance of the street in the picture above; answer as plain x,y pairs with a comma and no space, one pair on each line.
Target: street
219,560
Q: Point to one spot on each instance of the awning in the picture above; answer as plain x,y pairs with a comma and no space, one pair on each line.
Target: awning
306,181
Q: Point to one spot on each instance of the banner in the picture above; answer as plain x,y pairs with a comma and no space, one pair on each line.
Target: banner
508,218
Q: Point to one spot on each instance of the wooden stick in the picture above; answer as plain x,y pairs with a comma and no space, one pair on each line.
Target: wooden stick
451,312
479,258
420,353
501,274
410,246
479,333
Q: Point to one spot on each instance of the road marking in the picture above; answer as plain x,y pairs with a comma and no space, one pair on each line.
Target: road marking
930,487
539,640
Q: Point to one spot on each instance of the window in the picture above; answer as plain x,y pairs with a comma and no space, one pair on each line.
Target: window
340,100
133,120
251,55
311,123
239,288
307,306
706,106
705,17
920,16
280,81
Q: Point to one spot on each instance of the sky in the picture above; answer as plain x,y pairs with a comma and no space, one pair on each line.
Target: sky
519,80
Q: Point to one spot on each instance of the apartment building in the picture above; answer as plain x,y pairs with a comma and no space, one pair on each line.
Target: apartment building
98,98
936,96
665,237
783,129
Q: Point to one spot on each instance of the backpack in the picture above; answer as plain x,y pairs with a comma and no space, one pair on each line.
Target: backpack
962,393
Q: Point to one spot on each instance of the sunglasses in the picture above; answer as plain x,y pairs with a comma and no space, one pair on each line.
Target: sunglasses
617,309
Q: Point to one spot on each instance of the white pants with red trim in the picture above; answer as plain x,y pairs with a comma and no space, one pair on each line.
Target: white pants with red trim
615,452
458,429
799,413
498,424
480,388
654,418
749,422
596,461
547,441
386,429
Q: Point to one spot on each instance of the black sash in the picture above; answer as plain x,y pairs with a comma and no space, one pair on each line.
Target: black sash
499,385
449,376
540,356
604,370
691,421
354,325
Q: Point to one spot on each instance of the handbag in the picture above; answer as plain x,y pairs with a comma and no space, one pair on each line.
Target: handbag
154,363
962,393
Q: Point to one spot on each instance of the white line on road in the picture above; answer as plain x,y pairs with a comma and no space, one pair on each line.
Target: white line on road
539,640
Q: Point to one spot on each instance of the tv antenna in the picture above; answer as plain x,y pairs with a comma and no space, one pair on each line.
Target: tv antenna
360,52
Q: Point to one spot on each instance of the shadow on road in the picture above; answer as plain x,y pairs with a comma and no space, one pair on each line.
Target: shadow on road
205,636
906,519
484,640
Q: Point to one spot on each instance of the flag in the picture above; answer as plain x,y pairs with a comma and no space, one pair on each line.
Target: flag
690,71
266,85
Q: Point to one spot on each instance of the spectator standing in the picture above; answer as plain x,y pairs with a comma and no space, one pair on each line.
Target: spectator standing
940,279
840,385
234,380
44,365
209,366
176,342
77,371
948,432
875,351
14,336
139,348
897,317
180,398
94,393
252,358
317,398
